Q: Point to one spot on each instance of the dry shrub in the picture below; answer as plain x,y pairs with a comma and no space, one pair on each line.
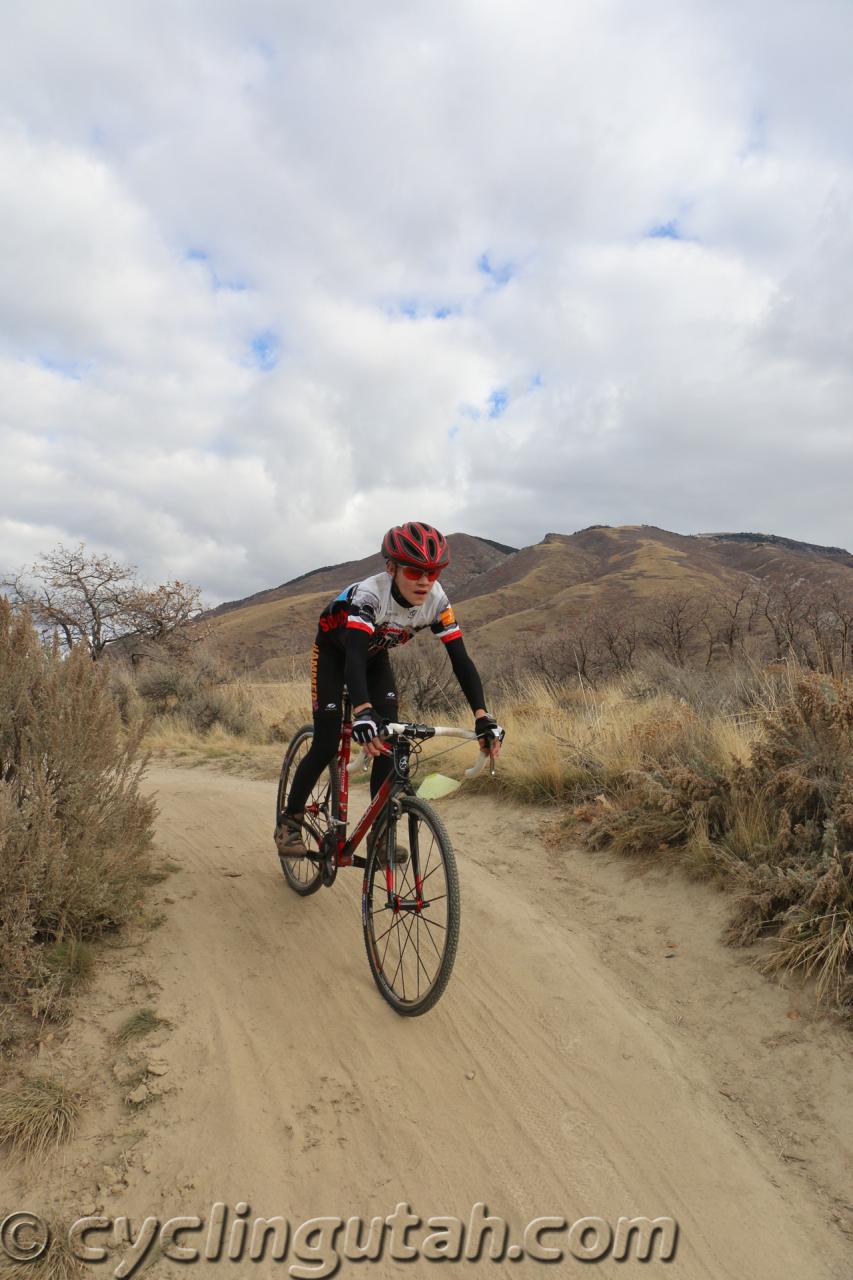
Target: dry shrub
36,1114
71,962
198,690
776,823
140,1023
801,774
131,707
74,829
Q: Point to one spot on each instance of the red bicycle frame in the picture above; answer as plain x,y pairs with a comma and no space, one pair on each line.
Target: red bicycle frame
346,856
346,848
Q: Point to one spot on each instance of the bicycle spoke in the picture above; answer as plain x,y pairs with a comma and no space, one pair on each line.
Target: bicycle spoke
436,924
431,873
385,952
432,939
412,954
392,925
417,954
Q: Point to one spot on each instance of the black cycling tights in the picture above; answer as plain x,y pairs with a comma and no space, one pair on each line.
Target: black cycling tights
327,686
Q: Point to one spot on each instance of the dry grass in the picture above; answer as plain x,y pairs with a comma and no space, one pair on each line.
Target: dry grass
819,947
276,709
37,1114
56,1263
176,741
75,830
71,962
762,804
140,1023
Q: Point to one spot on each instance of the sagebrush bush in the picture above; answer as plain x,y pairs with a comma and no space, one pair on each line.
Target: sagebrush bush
777,825
131,706
801,773
200,691
74,829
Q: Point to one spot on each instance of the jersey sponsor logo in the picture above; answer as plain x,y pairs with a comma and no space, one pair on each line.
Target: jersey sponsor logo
333,620
448,617
388,636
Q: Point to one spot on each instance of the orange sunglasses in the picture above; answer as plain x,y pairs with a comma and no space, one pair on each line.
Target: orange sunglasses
414,575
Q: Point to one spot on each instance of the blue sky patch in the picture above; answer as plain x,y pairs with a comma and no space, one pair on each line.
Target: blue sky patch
74,369
216,281
666,231
499,273
417,309
498,401
453,433
264,349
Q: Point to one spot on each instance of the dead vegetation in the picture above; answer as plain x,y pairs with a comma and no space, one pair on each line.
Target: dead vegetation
57,1262
75,830
37,1114
138,1024
770,817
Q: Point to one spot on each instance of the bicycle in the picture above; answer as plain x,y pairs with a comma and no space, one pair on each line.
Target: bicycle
398,904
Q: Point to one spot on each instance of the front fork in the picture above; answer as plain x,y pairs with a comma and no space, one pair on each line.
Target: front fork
395,903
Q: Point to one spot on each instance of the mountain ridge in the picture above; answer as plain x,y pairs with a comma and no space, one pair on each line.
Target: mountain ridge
507,598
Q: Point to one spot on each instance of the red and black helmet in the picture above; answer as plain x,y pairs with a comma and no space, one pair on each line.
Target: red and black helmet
417,544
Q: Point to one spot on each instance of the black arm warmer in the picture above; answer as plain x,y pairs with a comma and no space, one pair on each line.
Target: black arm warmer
466,673
355,665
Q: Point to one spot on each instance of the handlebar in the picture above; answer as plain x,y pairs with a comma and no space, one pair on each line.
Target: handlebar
424,731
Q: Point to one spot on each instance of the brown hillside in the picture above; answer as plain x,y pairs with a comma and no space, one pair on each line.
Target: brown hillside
508,598
265,630
566,575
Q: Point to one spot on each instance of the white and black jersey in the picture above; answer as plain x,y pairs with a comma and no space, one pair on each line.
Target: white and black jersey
368,618
373,608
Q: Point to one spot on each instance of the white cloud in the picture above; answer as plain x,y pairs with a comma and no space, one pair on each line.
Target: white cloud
432,221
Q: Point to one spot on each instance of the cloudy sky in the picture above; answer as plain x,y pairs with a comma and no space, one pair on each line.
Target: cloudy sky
277,274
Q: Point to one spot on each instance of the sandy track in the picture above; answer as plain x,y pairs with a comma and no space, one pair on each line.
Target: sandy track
624,1062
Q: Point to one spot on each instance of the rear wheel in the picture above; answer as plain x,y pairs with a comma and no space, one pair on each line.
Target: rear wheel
411,944
304,875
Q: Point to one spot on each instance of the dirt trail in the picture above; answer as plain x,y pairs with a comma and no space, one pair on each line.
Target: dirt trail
624,1062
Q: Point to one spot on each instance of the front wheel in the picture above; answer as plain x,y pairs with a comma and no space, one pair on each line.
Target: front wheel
304,875
411,931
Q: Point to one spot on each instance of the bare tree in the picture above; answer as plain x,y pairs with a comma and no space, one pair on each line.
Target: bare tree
94,600
425,680
736,612
574,653
619,636
785,603
840,603
672,621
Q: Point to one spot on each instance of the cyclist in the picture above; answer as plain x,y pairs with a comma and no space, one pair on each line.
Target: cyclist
355,632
